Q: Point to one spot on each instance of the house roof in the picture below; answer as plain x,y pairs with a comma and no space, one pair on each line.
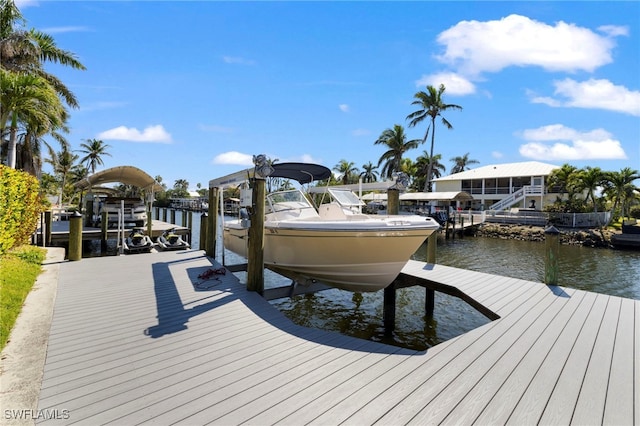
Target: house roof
527,168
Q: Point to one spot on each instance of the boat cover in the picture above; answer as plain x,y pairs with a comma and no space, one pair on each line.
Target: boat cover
301,172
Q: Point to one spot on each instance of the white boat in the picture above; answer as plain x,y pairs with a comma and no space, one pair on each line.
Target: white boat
333,244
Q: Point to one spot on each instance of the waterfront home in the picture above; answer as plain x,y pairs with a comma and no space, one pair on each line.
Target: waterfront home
502,186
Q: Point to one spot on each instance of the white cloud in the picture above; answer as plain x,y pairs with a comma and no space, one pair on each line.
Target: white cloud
26,3
593,93
614,30
360,132
234,158
474,47
570,144
62,30
237,60
344,107
456,84
155,133
497,154
102,105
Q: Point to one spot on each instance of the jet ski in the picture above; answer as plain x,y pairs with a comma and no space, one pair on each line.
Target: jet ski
138,242
170,240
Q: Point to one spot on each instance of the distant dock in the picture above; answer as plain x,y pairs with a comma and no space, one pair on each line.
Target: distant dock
168,347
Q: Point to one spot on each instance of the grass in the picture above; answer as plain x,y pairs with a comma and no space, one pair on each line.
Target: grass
19,269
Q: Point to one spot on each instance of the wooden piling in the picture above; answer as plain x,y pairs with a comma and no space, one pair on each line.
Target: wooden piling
149,221
393,201
389,309
104,235
255,258
48,220
429,302
210,244
203,231
89,213
552,250
75,237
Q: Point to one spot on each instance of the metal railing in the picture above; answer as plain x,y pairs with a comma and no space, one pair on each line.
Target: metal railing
566,220
518,196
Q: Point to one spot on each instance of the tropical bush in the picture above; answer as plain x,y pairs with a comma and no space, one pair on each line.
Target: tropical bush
20,207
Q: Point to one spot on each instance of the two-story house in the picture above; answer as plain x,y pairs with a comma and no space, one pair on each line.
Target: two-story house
502,186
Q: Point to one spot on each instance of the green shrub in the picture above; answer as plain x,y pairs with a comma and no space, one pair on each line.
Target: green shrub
20,207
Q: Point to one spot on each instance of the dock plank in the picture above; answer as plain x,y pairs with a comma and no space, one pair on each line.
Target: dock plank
562,401
503,380
525,406
159,350
618,407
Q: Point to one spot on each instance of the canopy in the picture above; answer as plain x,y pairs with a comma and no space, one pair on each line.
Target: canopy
125,174
301,172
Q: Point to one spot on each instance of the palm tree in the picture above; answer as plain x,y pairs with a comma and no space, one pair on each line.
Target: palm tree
23,55
589,179
620,188
423,164
62,162
28,99
369,174
432,106
94,150
410,168
396,140
563,180
462,163
26,51
346,169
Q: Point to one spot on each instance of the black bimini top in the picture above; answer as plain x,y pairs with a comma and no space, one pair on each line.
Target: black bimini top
301,172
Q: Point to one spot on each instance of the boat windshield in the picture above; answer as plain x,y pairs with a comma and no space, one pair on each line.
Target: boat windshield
345,198
287,200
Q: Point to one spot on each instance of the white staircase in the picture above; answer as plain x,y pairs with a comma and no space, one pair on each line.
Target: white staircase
517,196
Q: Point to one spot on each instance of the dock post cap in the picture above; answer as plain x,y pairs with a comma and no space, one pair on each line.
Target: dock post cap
76,214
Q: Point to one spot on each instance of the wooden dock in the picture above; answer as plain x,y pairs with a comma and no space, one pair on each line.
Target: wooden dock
141,339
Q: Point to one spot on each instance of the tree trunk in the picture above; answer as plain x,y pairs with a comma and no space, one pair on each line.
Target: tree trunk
11,152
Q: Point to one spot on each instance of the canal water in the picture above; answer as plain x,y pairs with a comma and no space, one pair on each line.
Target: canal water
607,271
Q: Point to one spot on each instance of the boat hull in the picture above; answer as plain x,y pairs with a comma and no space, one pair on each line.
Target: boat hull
361,260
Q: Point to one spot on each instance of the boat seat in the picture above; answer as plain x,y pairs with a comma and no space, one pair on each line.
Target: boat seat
331,212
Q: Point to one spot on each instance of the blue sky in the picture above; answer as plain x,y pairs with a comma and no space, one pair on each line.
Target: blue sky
191,90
